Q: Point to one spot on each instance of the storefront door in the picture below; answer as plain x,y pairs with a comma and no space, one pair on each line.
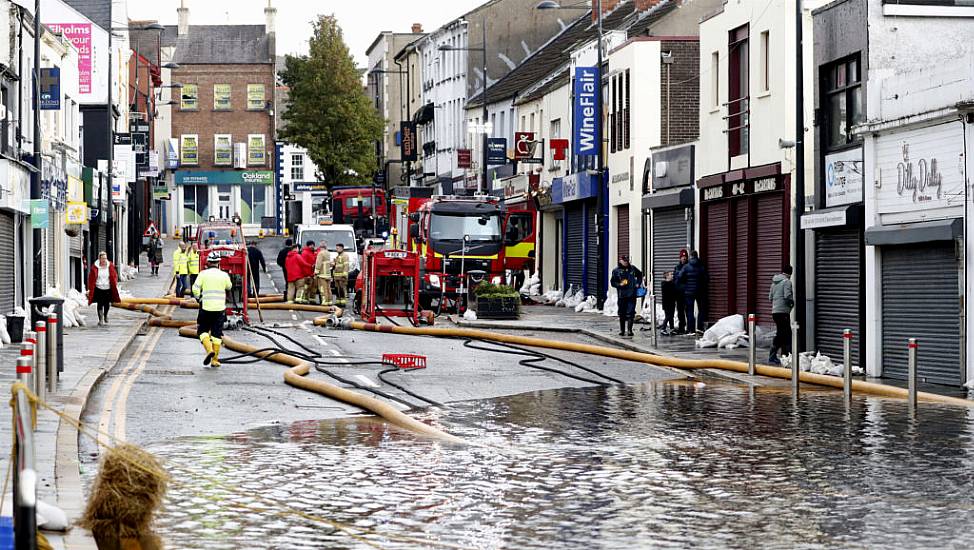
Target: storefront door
224,202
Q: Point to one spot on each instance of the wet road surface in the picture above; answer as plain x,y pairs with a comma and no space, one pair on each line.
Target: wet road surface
664,464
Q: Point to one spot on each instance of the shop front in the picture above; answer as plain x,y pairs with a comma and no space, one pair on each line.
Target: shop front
916,252
219,195
577,194
744,238
668,208
838,300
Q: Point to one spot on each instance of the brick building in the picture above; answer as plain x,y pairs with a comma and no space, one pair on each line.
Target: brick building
223,120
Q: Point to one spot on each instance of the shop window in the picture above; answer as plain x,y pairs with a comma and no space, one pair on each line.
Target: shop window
253,203
715,80
841,101
196,203
221,97
297,167
765,61
189,97
738,110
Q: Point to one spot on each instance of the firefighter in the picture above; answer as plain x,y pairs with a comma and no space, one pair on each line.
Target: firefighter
180,263
340,273
193,263
323,274
211,289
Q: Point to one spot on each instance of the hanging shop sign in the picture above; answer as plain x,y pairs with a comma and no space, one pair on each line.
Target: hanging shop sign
39,218
672,167
843,177
741,188
464,159
527,149
223,150
76,213
407,144
496,150
227,177
50,88
921,170
586,111
172,154
161,193
559,149
256,155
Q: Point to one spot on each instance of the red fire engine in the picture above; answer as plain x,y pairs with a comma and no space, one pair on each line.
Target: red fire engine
226,239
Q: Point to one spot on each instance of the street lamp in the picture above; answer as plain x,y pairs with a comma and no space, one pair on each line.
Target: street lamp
602,222
483,50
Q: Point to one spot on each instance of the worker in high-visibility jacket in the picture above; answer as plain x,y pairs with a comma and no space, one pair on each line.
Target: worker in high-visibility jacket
180,263
211,289
193,262
340,269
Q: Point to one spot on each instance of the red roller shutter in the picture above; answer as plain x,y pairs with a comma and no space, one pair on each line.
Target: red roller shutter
716,257
622,229
772,249
742,241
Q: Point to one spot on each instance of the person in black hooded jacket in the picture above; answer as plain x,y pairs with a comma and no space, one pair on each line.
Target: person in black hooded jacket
282,256
693,281
626,279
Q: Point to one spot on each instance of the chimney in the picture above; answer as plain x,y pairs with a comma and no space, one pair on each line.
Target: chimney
417,28
607,6
643,5
183,12
270,15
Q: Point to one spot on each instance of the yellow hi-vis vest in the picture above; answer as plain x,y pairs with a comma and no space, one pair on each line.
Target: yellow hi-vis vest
211,288
180,262
194,262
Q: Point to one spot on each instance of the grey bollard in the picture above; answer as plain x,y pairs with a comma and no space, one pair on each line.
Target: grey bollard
27,352
795,367
40,352
911,376
752,320
24,474
847,371
52,357
652,307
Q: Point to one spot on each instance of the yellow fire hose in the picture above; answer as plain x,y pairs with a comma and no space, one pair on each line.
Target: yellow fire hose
651,359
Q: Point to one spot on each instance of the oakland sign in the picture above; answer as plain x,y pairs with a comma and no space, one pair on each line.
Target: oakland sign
586,111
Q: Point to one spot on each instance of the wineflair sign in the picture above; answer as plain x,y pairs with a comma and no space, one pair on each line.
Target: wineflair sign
224,177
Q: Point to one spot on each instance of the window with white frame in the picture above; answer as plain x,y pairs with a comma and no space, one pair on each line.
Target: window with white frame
297,167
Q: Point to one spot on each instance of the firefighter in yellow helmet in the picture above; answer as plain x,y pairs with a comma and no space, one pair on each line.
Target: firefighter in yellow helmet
211,289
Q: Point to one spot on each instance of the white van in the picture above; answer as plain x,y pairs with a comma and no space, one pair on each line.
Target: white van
331,235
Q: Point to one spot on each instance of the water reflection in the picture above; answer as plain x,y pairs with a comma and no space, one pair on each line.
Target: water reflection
658,465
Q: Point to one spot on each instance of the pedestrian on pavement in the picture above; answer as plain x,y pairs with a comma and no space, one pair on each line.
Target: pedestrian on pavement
154,253
323,274
681,301
626,279
180,262
782,298
295,265
211,289
255,259
693,280
193,264
668,288
282,257
103,286
310,255
340,273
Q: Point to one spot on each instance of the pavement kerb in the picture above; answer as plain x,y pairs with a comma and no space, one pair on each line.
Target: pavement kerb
67,467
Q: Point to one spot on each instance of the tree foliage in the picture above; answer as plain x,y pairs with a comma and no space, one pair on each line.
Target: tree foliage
328,112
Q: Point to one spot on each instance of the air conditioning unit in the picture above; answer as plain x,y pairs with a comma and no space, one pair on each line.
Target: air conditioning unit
240,155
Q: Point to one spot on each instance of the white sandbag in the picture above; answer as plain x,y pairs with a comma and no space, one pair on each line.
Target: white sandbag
470,315
587,304
705,342
611,307
733,324
4,335
730,340
49,517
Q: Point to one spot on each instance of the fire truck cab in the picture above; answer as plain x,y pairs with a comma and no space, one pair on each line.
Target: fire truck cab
460,240
226,239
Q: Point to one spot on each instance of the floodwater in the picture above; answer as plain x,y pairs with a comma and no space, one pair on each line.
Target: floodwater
663,465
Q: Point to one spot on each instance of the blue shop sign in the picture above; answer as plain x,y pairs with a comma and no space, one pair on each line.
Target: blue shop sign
586,130
573,187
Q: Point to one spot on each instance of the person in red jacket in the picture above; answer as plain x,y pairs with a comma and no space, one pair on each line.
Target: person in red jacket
310,255
295,267
103,286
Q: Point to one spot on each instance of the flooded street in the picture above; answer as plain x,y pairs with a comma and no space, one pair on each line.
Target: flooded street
657,465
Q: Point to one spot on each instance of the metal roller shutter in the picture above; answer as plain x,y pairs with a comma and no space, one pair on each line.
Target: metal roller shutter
591,252
102,240
8,265
622,230
574,246
771,246
742,257
716,256
669,237
921,300
50,255
838,291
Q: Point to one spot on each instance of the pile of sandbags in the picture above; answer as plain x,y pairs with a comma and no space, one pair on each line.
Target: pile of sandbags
817,363
127,273
725,332
71,309
532,285
587,305
551,297
572,298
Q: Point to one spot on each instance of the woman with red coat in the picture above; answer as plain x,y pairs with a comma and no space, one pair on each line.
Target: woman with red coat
103,286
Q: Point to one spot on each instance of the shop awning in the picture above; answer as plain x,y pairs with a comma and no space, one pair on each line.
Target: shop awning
669,198
424,115
910,233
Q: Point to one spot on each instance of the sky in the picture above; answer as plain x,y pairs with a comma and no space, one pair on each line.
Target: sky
361,20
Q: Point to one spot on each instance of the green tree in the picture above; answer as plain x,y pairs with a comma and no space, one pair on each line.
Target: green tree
328,112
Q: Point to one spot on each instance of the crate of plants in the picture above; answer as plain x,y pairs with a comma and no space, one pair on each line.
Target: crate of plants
497,301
